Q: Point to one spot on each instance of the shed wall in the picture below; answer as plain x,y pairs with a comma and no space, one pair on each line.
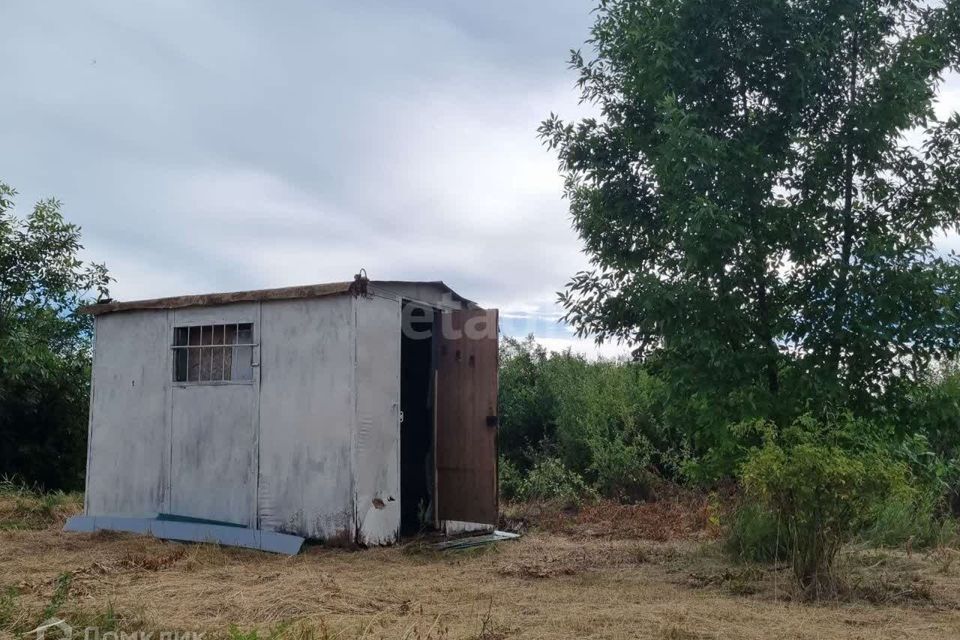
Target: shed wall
322,444
128,464
306,416
377,437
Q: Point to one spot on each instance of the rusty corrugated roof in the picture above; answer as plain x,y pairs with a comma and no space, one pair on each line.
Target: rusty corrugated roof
283,293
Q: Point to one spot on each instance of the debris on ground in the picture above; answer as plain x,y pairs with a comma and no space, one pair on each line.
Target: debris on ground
475,541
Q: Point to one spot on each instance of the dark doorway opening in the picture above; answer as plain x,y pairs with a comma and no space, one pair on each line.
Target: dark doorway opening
417,471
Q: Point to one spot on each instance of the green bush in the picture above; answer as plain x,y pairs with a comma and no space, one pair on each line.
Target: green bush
821,480
602,420
551,480
756,535
931,409
729,447
928,422
619,467
607,417
909,519
918,515
510,478
619,427
527,407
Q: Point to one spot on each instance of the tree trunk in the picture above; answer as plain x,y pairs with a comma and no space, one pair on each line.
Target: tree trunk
773,375
841,290
763,329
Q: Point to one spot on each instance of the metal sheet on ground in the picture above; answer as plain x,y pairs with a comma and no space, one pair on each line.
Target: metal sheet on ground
190,531
476,541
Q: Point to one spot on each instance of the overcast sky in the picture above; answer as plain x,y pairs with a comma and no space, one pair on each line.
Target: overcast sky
212,146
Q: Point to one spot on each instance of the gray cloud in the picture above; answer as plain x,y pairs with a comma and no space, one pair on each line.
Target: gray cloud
221,145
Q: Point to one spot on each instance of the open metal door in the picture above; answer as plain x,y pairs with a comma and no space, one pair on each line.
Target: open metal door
466,416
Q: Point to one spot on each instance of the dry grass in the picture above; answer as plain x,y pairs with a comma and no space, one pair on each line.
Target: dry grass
22,508
677,514
546,585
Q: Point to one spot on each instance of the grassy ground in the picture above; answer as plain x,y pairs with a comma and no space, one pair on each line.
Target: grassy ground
653,571
24,508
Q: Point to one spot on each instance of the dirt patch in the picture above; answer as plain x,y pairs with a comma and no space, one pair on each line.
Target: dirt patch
676,515
565,558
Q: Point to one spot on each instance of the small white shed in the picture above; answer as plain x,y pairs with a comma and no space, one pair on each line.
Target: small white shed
354,411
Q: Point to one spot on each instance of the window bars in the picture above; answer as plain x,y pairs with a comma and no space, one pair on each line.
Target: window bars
213,353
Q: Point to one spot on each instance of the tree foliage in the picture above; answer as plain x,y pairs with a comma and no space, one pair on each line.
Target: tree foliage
762,188
44,344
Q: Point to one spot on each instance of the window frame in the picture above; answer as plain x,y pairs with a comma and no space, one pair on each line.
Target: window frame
253,345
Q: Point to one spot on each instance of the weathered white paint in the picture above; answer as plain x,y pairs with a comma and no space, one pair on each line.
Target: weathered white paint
377,435
213,447
311,447
213,433
306,417
129,439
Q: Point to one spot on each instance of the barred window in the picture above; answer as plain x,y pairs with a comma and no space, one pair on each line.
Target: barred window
213,353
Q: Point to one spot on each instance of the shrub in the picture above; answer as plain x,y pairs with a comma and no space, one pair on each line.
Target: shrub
908,519
756,535
932,408
918,515
602,420
821,480
510,478
619,467
527,407
729,447
937,476
607,420
551,480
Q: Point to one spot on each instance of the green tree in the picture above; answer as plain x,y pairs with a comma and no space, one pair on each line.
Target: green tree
761,189
44,344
